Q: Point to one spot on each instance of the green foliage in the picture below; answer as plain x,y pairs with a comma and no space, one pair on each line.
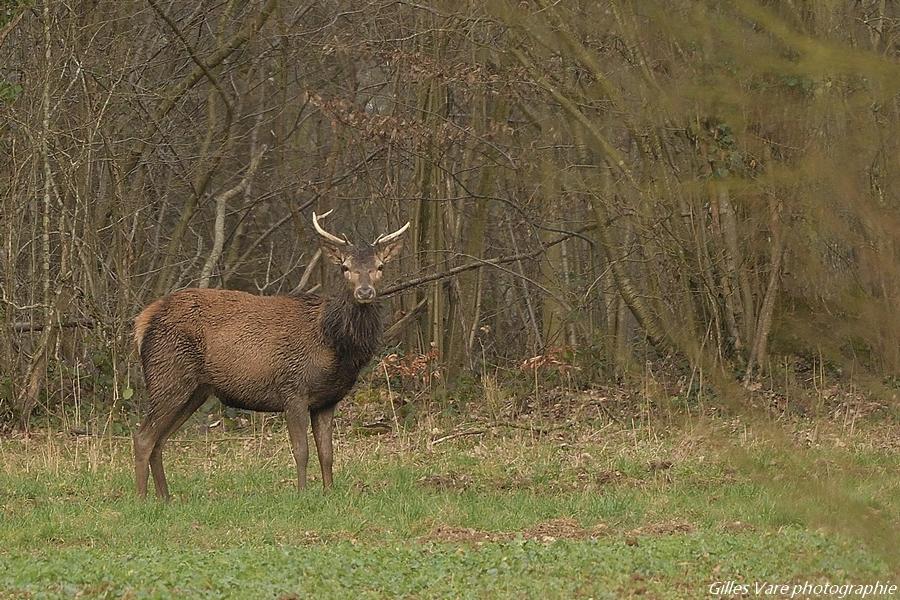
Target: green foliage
10,8
515,569
9,92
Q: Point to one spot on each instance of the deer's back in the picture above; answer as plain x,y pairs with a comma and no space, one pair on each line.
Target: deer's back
251,350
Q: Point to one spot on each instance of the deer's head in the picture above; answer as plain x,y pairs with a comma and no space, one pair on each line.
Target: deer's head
361,266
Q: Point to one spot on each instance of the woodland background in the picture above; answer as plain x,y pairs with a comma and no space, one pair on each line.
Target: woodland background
703,189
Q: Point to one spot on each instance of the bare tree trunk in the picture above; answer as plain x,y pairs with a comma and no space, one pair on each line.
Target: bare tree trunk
642,313
552,274
764,324
45,160
539,342
571,335
37,371
727,276
622,357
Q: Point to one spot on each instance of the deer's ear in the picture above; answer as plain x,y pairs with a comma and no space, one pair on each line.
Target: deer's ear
333,253
389,251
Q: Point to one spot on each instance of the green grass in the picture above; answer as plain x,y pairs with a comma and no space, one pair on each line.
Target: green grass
610,514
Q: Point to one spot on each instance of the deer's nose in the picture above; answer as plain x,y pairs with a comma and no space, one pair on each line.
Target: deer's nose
365,294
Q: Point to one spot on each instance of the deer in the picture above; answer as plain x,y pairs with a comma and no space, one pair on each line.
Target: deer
295,354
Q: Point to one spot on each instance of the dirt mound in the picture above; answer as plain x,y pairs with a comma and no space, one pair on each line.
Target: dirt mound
564,528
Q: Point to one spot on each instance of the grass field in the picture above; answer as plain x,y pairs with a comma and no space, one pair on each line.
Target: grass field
603,512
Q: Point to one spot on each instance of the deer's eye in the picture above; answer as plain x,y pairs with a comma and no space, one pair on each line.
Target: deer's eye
344,268
380,267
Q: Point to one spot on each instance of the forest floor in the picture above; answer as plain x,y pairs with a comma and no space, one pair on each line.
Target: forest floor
596,508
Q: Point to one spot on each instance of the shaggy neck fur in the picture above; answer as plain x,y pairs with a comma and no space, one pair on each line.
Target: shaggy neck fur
353,330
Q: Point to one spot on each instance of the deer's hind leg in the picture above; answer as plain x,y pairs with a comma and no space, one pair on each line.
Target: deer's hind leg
153,428
172,393
198,397
145,439
171,386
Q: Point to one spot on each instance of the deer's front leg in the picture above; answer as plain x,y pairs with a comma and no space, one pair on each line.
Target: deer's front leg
297,417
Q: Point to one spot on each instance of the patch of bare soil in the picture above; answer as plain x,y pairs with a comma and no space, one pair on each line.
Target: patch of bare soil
464,535
308,538
515,483
666,528
562,528
632,537
447,481
738,527
582,480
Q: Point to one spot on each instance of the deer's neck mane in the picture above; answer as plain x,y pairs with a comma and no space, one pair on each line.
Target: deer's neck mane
353,330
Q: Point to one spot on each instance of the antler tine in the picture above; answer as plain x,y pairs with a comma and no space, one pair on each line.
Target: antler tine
381,239
328,236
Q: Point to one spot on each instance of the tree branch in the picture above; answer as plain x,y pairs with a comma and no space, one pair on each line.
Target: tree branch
29,327
177,90
489,262
190,50
219,228
393,332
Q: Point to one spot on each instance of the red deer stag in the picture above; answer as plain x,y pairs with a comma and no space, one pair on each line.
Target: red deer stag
299,355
